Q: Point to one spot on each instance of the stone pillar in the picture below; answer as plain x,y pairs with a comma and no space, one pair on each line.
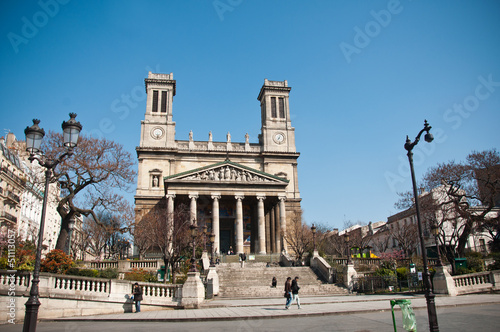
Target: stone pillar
238,224
193,209
170,218
193,291
349,275
212,274
272,231
443,282
277,237
283,222
216,222
262,224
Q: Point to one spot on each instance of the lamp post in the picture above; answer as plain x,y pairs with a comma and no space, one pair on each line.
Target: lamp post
205,229
71,226
348,251
194,233
313,230
34,136
429,295
435,232
212,241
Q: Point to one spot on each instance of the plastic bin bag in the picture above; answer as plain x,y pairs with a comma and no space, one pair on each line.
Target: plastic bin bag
409,320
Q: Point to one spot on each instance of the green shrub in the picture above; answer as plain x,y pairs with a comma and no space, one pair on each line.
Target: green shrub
384,272
108,273
461,270
402,273
475,262
92,273
496,263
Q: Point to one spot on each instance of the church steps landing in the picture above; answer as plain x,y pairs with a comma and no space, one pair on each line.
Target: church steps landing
254,280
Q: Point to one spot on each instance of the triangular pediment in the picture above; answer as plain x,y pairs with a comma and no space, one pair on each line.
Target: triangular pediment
227,172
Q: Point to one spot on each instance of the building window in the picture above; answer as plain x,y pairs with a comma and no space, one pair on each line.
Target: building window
155,100
282,107
163,101
482,245
273,107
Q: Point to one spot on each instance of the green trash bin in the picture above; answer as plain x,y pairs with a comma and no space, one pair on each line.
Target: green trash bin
460,262
161,273
409,320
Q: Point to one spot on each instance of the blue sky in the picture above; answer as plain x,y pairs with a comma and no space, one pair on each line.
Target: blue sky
364,74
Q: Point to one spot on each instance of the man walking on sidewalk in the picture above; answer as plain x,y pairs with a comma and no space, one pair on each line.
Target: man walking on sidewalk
295,291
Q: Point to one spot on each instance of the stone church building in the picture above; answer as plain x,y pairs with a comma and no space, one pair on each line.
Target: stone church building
245,193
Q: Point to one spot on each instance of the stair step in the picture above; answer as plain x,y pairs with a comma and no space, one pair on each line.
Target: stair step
254,280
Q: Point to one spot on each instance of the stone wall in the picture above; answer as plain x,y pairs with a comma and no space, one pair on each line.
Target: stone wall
62,296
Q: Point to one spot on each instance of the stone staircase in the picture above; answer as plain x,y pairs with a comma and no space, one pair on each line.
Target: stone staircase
254,281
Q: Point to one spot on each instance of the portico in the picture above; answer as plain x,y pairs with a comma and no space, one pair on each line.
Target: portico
242,206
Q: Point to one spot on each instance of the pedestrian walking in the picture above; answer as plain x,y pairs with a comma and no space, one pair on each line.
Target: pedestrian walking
137,292
288,292
295,292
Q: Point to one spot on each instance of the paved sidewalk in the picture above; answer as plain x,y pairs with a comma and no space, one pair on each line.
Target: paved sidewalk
239,309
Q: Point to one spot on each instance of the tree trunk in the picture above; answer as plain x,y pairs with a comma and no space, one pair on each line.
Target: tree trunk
62,239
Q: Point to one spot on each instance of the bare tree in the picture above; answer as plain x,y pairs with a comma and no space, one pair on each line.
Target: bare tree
461,199
299,236
382,239
472,189
407,236
90,180
167,233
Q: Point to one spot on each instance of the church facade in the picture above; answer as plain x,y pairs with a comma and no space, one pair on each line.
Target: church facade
246,193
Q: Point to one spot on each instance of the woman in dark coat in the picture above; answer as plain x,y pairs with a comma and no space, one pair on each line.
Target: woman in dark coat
137,291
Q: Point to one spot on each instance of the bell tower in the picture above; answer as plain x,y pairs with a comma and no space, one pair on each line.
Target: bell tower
157,128
277,133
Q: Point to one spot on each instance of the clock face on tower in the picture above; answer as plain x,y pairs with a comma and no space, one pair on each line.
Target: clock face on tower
279,138
157,133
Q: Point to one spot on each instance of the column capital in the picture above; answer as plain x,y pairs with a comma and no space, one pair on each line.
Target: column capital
282,198
261,197
239,197
169,195
215,196
193,196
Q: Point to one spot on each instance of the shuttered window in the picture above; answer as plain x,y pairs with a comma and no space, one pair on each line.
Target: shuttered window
155,101
163,101
273,107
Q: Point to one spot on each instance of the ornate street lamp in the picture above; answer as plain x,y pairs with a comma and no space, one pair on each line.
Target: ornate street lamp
313,230
346,239
205,229
435,232
429,295
212,241
194,234
34,136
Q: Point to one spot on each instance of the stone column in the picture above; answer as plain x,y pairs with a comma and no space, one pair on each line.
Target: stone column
216,222
238,224
283,222
194,214
170,218
272,231
277,235
262,224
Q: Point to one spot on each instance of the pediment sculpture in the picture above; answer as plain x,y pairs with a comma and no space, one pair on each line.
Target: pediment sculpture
227,173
